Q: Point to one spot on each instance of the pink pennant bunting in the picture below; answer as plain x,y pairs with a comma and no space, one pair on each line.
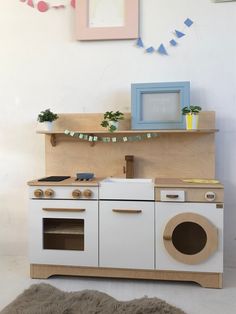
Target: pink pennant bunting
72,3
30,3
42,6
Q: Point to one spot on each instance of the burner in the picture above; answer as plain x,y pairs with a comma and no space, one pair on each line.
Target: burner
54,179
83,179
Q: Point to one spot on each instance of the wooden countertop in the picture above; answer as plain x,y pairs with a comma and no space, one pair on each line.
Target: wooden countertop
159,183
67,182
179,183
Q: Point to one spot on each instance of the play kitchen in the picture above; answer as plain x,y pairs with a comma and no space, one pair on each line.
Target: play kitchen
150,226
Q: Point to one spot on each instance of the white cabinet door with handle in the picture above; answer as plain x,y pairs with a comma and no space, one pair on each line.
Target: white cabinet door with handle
126,234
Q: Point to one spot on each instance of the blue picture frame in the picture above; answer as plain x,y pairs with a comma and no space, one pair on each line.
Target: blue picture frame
169,97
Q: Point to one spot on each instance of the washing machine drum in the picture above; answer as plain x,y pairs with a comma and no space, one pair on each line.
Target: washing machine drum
190,238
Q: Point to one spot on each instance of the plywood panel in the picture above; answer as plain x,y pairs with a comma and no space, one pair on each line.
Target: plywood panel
86,122
168,155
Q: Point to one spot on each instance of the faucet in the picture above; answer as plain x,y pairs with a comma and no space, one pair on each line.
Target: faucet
129,168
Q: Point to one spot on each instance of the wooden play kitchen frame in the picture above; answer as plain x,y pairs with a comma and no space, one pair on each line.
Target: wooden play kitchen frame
173,154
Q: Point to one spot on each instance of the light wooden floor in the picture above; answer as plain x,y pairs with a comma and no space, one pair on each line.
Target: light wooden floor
14,274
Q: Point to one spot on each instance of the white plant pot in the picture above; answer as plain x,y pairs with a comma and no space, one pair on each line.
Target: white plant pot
114,123
45,126
195,119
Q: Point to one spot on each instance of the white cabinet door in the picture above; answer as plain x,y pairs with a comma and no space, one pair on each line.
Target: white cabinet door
126,234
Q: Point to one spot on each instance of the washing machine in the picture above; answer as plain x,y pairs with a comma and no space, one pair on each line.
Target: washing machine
189,236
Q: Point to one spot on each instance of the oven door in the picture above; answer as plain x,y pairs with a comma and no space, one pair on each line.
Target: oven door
64,232
190,238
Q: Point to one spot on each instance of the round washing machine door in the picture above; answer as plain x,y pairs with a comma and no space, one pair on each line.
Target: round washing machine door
190,238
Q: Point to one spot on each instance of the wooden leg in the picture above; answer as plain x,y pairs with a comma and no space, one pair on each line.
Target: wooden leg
41,271
211,281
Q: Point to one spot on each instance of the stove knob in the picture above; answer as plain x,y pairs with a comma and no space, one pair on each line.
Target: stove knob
38,193
210,196
76,194
87,193
49,193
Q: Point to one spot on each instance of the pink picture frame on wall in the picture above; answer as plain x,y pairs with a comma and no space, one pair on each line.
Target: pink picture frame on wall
107,19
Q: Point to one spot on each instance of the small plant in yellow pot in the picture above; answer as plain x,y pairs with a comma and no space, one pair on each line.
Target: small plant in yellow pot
191,116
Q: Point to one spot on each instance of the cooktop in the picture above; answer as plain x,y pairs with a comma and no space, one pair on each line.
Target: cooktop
54,179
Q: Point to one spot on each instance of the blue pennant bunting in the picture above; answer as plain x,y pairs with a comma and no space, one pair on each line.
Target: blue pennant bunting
140,43
173,42
150,50
179,34
188,22
162,50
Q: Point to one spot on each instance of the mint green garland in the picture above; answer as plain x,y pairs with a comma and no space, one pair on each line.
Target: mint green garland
111,139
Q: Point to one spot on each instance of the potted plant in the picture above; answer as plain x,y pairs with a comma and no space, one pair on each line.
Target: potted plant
191,116
46,119
111,120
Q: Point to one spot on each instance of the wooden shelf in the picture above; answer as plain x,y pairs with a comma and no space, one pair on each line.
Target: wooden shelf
53,134
64,229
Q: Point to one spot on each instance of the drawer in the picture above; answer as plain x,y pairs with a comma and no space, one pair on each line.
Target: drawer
189,195
172,196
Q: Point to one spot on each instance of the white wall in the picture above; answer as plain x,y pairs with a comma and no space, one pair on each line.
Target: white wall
42,66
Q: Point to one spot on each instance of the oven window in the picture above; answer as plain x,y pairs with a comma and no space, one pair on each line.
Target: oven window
63,234
189,238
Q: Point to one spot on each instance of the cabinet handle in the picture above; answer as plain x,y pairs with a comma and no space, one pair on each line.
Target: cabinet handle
172,195
64,209
127,211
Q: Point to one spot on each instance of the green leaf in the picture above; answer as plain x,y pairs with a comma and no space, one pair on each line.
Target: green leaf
104,123
112,128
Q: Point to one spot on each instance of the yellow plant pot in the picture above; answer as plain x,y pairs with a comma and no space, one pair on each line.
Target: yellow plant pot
191,121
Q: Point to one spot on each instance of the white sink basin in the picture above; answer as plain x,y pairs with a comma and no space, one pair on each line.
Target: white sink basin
126,189
124,180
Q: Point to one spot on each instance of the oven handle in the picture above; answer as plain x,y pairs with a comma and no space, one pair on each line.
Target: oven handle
127,211
64,209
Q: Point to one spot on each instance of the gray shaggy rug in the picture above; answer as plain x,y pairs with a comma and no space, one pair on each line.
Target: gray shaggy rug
46,299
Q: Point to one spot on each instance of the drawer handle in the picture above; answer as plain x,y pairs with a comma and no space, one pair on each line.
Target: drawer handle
64,209
167,237
127,211
172,195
